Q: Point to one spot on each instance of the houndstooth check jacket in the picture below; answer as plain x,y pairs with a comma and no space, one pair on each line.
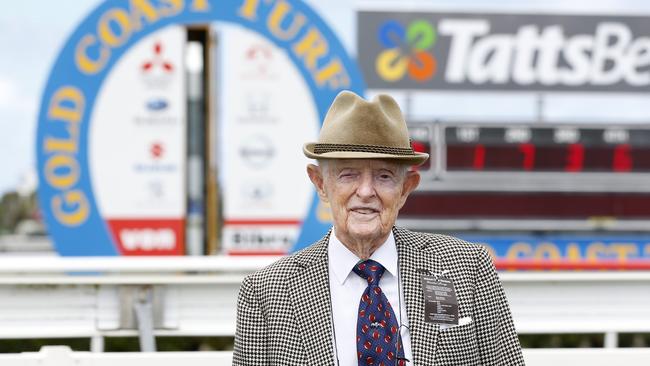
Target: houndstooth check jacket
283,311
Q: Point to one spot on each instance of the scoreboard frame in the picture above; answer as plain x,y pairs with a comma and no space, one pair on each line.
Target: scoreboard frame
438,178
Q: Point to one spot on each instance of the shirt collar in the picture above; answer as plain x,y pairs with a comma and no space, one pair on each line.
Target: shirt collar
342,260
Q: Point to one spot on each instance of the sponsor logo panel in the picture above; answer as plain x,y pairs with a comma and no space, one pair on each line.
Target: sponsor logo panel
260,237
75,208
473,51
565,247
148,236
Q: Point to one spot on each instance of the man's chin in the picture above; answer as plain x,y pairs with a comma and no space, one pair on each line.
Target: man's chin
365,234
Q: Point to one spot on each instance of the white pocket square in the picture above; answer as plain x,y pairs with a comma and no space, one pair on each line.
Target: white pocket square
462,321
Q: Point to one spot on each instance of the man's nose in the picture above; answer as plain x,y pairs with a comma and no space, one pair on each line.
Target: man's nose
366,188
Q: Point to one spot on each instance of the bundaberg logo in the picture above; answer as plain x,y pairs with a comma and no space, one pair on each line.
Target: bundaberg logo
407,51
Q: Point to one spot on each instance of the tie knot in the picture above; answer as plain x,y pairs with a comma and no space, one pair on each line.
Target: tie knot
370,270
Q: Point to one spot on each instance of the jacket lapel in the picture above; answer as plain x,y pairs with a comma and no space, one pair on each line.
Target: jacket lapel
310,294
413,260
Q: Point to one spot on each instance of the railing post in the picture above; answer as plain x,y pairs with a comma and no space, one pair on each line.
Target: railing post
611,340
97,343
144,317
141,309
56,356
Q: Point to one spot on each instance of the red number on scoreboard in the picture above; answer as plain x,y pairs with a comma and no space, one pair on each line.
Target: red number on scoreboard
622,161
575,158
479,157
529,155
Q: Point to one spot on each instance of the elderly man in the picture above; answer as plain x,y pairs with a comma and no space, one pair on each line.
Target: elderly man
370,293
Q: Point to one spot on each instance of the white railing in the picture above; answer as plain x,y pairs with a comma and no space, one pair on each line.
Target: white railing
213,264
63,356
53,297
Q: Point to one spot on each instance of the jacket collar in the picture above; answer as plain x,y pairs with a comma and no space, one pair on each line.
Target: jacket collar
313,254
310,295
415,259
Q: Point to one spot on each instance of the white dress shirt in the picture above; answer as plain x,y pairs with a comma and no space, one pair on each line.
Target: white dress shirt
346,288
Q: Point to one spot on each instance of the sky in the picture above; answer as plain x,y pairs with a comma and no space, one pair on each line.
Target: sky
31,35
32,32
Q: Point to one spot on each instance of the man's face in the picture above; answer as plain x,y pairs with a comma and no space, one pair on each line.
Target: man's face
365,195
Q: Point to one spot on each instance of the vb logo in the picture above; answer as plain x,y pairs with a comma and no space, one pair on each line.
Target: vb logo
406,51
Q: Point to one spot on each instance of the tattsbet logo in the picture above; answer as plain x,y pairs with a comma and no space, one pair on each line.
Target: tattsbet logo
407,51
505,51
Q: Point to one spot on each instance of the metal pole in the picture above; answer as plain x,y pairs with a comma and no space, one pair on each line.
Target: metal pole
97,343
196,142
540,107
611,340
407,106
143,308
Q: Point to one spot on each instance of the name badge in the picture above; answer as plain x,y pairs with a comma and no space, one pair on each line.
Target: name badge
440,301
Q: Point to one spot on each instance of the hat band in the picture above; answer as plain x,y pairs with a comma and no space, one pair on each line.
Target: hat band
326,148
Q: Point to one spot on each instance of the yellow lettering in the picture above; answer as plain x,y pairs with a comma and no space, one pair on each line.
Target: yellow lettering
573,252
67,105
71,112
77,205
547,250
248,10
106,32
518,250
311,48
324,212
333,74
646,251
624,251
278,16
596,250
175,7
140,8
200,5
61,171
68,145
85,63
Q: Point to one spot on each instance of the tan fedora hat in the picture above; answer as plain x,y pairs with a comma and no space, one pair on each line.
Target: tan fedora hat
357,129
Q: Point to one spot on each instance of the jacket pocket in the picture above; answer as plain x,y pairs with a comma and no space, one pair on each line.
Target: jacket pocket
457,346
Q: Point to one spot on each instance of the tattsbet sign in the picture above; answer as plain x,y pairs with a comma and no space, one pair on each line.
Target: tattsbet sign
465,51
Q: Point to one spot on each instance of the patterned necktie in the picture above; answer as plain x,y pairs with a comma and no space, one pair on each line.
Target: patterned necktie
378,339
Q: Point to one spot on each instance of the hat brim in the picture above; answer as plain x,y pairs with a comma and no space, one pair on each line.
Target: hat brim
417,159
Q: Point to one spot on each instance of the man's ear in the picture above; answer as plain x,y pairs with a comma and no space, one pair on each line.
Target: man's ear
316,176
411,182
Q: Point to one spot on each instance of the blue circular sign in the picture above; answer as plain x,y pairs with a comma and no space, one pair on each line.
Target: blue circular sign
65,187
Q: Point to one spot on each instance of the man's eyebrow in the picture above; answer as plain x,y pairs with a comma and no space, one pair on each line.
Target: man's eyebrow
347,167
